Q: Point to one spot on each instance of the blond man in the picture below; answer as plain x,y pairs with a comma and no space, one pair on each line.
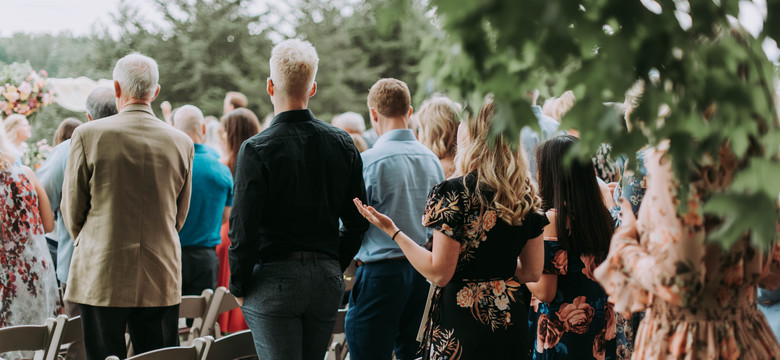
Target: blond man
388,298
293,183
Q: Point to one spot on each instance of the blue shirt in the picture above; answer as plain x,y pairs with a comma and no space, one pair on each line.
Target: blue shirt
399,172
212,190
51,175
530,138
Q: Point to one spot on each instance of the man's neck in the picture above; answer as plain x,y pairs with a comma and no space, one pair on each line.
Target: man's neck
122,103
283,106
389,124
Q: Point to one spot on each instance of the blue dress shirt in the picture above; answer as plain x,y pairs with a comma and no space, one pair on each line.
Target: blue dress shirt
399,172
51,175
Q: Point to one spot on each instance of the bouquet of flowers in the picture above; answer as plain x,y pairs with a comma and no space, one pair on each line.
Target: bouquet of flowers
23,90
36,154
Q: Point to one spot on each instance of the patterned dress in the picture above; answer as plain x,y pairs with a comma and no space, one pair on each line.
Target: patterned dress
700,300
28,286
578,323
479,314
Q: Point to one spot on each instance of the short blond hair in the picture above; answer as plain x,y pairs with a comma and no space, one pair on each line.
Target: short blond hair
293,67
390,97
237,99
12,123
439,118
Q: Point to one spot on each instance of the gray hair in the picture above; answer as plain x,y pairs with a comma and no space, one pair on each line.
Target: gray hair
101,103
138,75
349,121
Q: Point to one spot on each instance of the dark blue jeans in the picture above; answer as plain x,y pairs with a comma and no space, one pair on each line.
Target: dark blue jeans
291,307
385,309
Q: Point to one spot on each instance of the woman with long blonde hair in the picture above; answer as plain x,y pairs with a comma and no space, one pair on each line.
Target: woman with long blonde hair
29,293
486,244
438,119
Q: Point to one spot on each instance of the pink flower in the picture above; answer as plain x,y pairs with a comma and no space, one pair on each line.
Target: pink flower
561,261
465,297
577,316
44,73
590,265
599,346
489,220
611,327
548,333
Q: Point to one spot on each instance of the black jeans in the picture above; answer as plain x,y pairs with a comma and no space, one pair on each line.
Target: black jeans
291,307
150,328
199,266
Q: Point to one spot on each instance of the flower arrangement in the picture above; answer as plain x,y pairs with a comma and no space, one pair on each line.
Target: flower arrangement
23,90
35,154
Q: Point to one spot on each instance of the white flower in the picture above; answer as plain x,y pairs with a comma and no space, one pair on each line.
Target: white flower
502,302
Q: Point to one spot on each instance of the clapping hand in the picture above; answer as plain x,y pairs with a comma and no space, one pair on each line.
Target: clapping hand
379,220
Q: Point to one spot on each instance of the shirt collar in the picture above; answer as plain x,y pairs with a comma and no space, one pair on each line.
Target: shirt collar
396,135
199,148
138,107
293,116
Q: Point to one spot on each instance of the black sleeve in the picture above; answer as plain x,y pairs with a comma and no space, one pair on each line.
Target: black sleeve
445,209
249,194
534,223
354,225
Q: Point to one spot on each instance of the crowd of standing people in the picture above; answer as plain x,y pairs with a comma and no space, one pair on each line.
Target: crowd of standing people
466,245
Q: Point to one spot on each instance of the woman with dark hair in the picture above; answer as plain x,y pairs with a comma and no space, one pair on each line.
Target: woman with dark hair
487,243
65,130
237,126
570,315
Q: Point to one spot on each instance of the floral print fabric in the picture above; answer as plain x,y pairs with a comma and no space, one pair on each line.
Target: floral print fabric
480,314
700,299
578,323
28,287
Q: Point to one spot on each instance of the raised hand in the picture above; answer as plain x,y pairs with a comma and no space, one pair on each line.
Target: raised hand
379,220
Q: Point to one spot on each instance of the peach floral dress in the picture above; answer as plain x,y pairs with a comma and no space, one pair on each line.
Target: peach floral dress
700,300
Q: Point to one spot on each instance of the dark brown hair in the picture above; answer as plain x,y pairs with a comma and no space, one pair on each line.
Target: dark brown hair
239,125
583,223
65,130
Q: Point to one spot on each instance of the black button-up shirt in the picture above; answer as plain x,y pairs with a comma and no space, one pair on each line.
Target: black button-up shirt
293,182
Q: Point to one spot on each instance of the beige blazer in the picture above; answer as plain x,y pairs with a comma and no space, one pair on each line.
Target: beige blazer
125,196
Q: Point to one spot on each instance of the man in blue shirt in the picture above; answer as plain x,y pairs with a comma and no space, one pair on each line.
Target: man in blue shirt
100,103
388,298
210,202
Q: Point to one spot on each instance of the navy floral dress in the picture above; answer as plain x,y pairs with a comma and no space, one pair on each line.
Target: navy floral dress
578,323
480,313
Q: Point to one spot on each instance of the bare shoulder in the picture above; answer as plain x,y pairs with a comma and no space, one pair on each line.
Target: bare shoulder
549,231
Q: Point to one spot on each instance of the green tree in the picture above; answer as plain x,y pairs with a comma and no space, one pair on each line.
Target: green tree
356,48
713,76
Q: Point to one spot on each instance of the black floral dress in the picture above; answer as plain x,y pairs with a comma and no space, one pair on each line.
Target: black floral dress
480,313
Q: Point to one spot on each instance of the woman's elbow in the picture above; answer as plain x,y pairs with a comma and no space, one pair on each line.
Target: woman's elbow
441,280
528,275
48,226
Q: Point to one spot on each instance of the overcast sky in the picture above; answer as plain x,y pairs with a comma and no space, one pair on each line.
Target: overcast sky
53,16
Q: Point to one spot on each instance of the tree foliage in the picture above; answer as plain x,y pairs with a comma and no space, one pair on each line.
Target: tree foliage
693,59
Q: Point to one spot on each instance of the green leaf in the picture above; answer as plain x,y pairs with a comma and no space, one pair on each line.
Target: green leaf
754,213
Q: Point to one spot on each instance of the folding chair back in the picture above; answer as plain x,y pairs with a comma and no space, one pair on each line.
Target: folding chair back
67,332
194,307
192,352
235,346
29,337
221,302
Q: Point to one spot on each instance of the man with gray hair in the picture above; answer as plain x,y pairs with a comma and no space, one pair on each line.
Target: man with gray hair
125,196
294,181
100,103
212,196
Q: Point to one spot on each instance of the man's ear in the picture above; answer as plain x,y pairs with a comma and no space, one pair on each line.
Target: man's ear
89,117
117,89
313,89
270,87
203,129
372,115
156,92
411,110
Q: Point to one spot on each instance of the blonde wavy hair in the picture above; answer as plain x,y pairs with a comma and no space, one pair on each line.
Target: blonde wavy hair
8,152
439,117
499,169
